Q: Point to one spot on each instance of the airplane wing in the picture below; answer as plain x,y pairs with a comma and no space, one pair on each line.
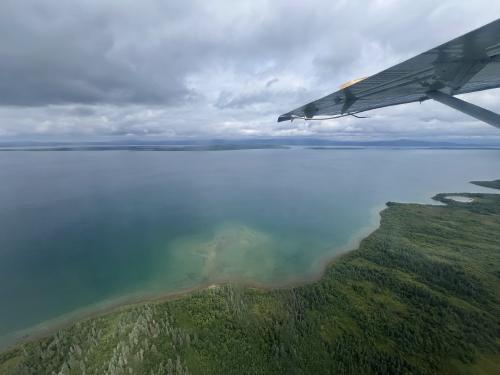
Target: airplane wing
468,63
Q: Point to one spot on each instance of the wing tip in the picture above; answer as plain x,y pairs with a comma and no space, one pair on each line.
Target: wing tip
284,117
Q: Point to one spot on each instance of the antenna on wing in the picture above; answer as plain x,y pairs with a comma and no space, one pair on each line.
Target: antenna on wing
294,117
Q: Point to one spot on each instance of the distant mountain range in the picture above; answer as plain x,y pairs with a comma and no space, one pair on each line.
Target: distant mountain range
230,144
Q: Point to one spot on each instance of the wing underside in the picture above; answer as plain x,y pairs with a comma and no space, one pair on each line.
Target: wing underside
465,64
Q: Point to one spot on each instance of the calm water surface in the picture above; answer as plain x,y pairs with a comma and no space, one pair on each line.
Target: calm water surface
80,228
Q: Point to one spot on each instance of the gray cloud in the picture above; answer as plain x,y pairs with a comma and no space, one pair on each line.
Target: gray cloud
219,68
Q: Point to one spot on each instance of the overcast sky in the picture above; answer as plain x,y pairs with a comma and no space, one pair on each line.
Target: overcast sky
177,69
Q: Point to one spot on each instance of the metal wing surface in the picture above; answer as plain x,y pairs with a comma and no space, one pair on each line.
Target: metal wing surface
468,63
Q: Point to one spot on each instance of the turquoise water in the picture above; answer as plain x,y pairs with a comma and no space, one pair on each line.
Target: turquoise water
82,228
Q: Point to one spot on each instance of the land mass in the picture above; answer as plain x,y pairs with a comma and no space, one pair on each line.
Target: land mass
237,144
420,295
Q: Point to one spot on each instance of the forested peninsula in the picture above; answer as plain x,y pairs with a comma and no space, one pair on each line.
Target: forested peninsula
421,295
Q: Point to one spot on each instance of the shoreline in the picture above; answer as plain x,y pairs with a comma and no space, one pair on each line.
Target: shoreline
48,327
320,267
428,269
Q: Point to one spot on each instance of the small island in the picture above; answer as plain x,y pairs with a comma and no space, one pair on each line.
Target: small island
420,295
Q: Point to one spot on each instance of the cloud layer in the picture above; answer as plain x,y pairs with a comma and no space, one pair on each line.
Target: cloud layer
218,68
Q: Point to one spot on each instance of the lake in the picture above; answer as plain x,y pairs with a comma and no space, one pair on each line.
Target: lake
79,229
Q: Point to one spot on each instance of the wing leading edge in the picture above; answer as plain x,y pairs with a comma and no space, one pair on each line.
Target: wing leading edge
465,64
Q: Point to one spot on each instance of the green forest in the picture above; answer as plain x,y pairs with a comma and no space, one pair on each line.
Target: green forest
421,295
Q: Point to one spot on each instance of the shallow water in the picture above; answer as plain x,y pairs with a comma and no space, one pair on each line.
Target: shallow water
80,228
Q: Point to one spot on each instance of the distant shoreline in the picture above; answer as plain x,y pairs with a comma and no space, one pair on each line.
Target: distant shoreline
143,148
214,144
